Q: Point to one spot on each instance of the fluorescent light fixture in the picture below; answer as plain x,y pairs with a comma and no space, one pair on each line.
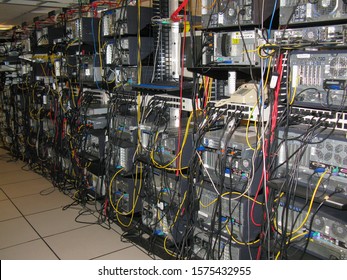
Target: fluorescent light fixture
55,4
66,1
5,27
24,2
41,11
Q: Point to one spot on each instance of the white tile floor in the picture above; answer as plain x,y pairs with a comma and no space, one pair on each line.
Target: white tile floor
33,224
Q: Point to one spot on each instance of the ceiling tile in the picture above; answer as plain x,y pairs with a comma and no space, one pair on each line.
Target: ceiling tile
54,4
24,2
13,14
41,11
65,1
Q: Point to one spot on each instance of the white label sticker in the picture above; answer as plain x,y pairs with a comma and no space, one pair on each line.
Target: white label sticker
220,18
202,214
303,55
295,76
273,81
308,10
327,69
245,34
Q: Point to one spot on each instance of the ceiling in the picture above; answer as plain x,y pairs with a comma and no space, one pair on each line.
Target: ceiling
15,12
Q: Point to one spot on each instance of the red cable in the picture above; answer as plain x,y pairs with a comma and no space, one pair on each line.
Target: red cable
273,127
255,199
178,160
174,17
276,93
105,207
259,253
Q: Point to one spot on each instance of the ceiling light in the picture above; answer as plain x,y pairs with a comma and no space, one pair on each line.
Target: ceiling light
66,1
41,11
24,2
55,4
5,27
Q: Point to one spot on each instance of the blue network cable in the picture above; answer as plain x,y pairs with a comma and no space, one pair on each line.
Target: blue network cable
272,18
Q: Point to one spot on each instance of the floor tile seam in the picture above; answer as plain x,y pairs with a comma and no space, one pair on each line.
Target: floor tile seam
48,210
5,198
86,225
33,228
21,243
21,169
112,252
43,211
7,220
27,214
25,195
13,218
65,231
4,157
12,183
7,171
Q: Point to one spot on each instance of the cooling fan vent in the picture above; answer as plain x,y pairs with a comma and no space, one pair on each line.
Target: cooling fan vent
327,7
339,230
311,35
338,66
229,9
319,223
331,152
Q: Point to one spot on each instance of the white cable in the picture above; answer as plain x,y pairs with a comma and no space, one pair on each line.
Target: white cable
208,174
